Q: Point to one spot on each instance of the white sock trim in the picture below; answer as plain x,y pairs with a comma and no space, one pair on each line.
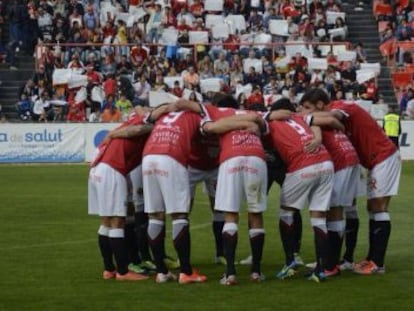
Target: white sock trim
156,222
286,216
318,222
255,232
336,226
180,221
383,216
117,233
230,228
103,230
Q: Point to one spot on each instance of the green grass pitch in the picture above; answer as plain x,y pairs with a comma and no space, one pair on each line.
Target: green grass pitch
49,258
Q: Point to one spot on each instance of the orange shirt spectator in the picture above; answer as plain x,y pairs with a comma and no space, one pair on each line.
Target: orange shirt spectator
111,115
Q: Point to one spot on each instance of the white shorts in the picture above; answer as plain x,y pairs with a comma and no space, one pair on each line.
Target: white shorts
137,194
313,183
344,190
107,192
362,182
242,178
384,178
166,185
209,179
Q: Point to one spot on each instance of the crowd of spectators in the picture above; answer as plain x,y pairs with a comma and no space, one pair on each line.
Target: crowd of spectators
130,59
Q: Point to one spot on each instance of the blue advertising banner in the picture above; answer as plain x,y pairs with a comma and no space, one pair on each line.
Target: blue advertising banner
32,143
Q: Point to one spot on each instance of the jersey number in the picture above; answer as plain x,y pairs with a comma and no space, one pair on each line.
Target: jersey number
297,127
172,117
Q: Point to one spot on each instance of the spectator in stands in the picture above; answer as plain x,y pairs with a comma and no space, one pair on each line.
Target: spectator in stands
142,89
361,53
40,107
255,98
124,105
348,77
24,107
252,77
191,77
405,98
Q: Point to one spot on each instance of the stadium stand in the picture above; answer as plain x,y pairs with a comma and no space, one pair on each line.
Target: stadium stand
92,58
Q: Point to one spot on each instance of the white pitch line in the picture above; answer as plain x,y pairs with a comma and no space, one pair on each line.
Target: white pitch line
194,227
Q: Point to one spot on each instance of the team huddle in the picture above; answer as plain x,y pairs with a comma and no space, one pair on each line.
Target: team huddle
314,152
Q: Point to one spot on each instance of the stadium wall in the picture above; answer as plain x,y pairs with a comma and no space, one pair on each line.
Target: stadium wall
76,142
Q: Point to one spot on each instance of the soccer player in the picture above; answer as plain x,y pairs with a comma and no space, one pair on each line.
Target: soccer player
242,176
309,178
203,167
119,153
382,159
346,167
167,190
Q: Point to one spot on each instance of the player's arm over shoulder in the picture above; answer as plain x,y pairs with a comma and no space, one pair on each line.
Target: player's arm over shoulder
130,131
329,119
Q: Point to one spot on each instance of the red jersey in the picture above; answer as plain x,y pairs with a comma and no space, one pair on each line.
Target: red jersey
173,134
138,55
235,143
340,148
289,138
205,151
123,154
369,140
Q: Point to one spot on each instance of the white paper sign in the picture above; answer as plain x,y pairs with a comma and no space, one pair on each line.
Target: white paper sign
187,93
98,94
171,80
293,49
137,12
61,76
347,56
236,22
220,31
169,36
80,95
255,3
210,85
127,18
198,37
262,38
159,98
317,63
283,62
365,75
376,67
332,16
337,32
213,5
279,27
212,20
256,63
77,80
246,89
336,49
324,49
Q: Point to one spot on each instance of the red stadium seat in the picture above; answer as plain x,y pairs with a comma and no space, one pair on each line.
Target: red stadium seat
383,9
402,79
